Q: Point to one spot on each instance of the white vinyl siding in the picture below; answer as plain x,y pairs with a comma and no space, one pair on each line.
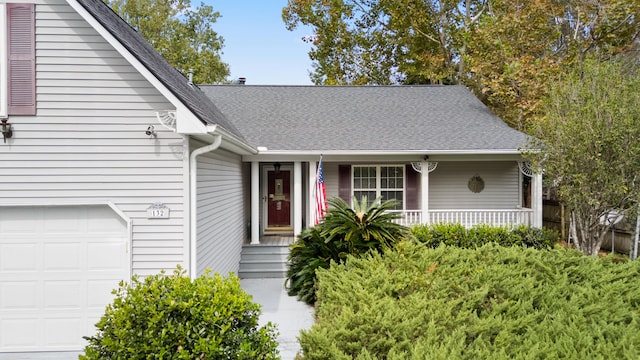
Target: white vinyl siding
87,143
331,176
222,222
448,185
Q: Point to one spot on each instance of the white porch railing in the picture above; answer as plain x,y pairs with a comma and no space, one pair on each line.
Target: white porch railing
409,217
469,218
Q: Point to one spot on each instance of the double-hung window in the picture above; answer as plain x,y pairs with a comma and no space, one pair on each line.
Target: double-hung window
384,181
17,59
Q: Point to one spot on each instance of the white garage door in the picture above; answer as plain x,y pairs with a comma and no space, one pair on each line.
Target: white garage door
58,266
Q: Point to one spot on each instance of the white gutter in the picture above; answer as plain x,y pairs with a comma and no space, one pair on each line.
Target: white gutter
392,152
193,173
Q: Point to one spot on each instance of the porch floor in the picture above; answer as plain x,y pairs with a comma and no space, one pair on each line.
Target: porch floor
274,240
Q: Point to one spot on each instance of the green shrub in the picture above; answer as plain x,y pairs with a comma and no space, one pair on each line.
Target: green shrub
366,227
174,317
309,253
457,235
492,302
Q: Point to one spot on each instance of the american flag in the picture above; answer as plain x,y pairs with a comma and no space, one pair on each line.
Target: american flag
321,195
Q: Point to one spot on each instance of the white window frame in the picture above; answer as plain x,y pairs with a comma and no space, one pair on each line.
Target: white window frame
378,189
3,61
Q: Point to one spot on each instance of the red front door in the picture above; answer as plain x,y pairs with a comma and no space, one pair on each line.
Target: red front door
279,199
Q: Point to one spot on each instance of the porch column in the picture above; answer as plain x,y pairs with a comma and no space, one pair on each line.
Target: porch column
255,202
312,185
424,191
297,198
536,199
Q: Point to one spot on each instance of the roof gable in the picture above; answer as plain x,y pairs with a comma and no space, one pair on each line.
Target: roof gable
175,82
418,119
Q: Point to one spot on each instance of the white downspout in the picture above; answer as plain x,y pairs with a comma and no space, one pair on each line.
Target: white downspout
193,173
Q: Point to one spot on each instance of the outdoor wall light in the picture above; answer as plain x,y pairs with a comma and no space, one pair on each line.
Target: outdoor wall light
276,167
151,131
7,131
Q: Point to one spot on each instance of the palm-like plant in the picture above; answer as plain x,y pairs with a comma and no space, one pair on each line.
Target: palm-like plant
366,226
345,231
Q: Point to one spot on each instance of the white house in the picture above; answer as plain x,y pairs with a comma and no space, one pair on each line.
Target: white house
113,164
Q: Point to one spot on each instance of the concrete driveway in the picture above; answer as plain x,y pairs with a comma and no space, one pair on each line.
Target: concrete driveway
285,311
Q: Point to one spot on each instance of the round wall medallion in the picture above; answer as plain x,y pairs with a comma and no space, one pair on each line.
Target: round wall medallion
476,184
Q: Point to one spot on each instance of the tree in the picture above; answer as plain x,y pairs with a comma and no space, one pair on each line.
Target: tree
183,35
589,145
504,50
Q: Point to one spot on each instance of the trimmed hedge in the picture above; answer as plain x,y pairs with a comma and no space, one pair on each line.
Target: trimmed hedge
457,235
174,317
488,303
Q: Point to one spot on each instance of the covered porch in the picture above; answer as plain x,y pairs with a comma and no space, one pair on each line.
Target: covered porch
286,187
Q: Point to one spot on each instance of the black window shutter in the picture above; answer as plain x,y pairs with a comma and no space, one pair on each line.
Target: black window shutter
344,182
412,188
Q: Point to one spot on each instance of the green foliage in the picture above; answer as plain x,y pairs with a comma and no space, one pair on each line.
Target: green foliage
492,302
174,317
183,34
366,227
589,145
306,255
504,50
457,235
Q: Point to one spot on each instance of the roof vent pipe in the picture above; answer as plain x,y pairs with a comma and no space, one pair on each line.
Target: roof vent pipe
190,76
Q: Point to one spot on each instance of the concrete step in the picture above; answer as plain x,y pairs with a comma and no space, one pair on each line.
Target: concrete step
263,264
265,257
261,249
261,274
263,261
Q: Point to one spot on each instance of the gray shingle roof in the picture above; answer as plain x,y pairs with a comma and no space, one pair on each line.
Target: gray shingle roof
364,118
176,82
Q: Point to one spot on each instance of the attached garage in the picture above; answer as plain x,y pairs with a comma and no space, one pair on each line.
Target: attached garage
58,265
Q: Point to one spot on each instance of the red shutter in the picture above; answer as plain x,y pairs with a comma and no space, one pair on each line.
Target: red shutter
412,188
22,59
344,182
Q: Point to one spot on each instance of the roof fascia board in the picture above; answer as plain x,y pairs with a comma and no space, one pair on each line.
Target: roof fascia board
381,156
391,152
183,113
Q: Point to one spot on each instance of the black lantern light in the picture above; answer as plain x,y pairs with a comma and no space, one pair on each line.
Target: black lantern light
7,131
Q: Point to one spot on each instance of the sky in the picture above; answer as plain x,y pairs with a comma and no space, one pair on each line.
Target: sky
257,46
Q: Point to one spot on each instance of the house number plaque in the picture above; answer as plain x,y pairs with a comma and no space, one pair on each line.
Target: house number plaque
158,211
